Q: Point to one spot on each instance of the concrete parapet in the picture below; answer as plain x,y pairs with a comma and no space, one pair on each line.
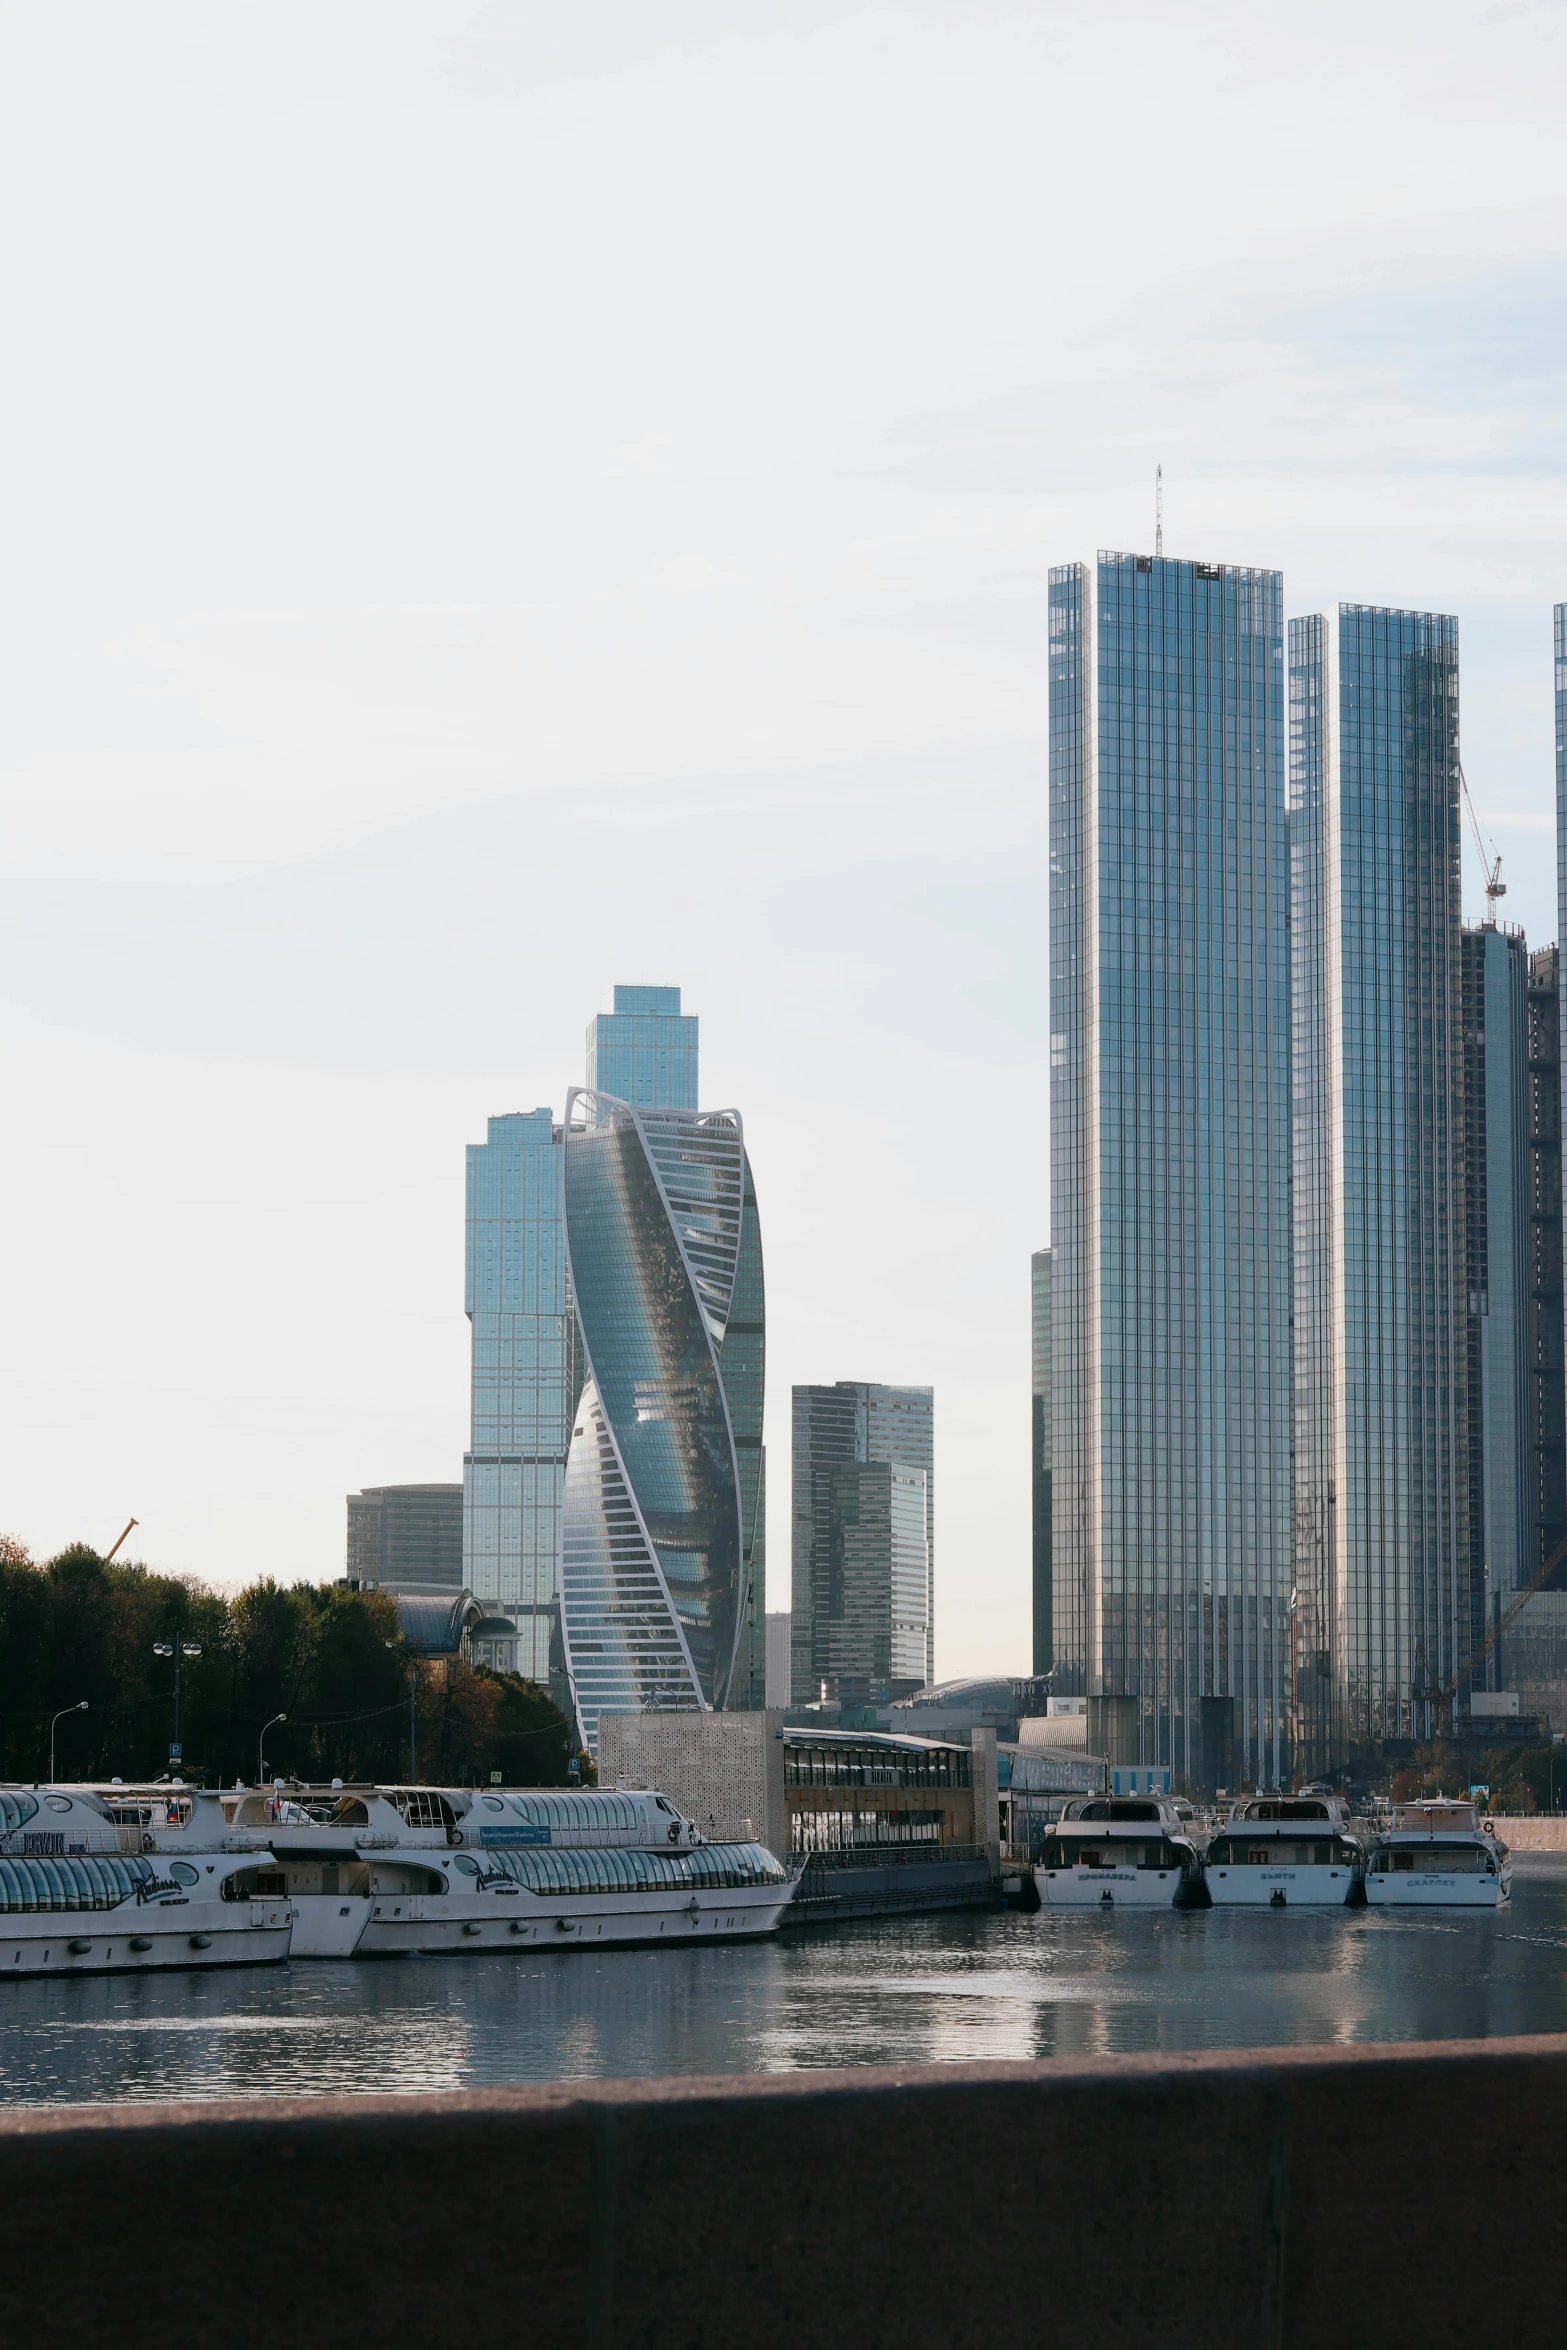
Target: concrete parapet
1275,2200
1525,1833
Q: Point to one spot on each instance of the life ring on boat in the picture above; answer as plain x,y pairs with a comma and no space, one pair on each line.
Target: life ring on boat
456,1835
149,1842
674,1833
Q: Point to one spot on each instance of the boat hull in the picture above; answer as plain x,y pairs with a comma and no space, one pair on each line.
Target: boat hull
133,1941
1437,1889
328,1925
1103,1889
1284,1886
459,1925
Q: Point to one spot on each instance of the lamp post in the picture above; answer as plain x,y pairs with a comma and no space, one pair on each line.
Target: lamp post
394,1645
261,1768
79,1708
176,1649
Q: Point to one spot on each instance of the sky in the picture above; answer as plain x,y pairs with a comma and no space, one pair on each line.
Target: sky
501,499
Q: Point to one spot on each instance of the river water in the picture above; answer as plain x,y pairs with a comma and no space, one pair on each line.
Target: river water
929,1990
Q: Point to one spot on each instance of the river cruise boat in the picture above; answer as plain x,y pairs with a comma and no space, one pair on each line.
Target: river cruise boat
384,1871
1286,1851
1119,1852
1437,1855
86,1889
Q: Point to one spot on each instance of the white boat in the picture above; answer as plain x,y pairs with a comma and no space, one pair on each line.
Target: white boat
1285,1851
87,1888
383,1871
1118,1852
1438,1855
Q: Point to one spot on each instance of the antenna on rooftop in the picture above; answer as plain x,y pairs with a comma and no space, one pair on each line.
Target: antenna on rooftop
1158,510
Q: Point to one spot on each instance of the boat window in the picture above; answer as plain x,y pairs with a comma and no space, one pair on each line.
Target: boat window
470,1868
350,1811
493,1803
421,1807
58,1802
1403,1860
183,1874
573,1869
83,1881
14,1810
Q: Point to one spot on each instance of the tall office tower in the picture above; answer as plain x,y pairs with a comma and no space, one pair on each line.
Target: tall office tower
864,1542
778,1660
406,1537
525,1380
644,1050
1170,1161
1044,1652
663,1495
1498,1453
1382,1550
1559,633
1543,1346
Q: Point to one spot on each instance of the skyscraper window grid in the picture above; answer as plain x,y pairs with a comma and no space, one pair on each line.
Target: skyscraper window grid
1170,1157
524,1381
1379,1330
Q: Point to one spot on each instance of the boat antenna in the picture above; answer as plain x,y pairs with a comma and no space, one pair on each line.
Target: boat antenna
1158,510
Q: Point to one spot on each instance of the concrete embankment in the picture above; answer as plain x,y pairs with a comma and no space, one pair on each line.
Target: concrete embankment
1523,1833
1180,2200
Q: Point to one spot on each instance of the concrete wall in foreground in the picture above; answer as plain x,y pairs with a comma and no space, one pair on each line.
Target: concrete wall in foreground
1274,2202
724,1771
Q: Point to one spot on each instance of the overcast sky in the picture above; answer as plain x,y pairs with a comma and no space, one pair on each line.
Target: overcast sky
498,500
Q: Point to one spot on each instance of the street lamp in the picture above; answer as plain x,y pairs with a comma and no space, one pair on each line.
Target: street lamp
261,1768
394,1645
79,1708
176,1649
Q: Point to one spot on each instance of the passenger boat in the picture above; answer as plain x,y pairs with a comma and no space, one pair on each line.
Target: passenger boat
1438,1855
1119,1852
85,1888
383,1871
1281,1851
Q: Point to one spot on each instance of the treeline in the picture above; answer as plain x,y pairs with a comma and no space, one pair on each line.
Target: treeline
74,1627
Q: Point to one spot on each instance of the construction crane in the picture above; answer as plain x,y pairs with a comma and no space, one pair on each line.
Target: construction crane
1443,1697
1495,886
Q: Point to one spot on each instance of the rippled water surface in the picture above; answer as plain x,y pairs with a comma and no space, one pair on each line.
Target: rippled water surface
919,1990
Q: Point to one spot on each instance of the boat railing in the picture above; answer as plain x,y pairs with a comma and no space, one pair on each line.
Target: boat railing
867,1856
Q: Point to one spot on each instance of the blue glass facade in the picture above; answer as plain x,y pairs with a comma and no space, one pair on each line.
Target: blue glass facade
863,1564
1496,1207
1381,1346
1170,1160
644,1050
663,1484
524,1382
1044,1646
1559,647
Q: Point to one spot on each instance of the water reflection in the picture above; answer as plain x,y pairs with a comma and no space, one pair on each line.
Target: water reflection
920,1990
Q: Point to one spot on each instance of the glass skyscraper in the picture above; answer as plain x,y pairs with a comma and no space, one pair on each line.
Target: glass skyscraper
1170,1161
661,1525
1044,1653
1499,1451
644,1050
864,1542
1382,1544
524,1383
1559,647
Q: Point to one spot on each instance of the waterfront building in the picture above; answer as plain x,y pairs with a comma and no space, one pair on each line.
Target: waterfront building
644,1050
778,1663
1170,1161
1382,1547
524,1382
406,1537
661,1557
863,1548
1498,1451
1044,1653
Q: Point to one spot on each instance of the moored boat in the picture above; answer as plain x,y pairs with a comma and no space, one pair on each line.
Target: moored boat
1119,1852
1285,1851
86,1889
384,1871
1439,1855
